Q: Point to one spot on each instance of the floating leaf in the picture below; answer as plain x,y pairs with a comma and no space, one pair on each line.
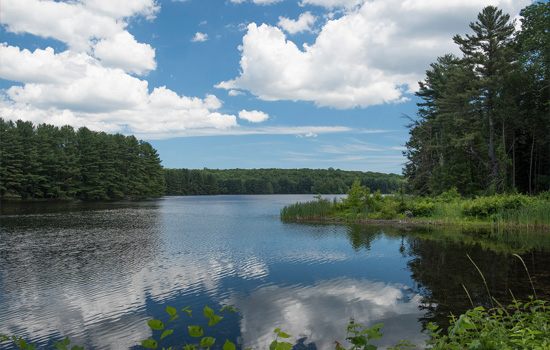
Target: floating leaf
195,331
207,342
149,344
155,324
229,345
166,333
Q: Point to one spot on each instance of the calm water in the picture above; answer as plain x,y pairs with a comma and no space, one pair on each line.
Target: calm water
97,271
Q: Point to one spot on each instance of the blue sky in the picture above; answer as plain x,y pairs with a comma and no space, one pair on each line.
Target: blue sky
232,83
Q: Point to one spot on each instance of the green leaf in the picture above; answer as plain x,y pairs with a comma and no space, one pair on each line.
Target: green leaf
173,317
273,345
214,319
284,346
207,342
155,324
195,331
277,330
22,344
284,335
171,311
374,335
166,333
59,346
33,347
65,341
208,312
189,346
371,347
229,345
149,344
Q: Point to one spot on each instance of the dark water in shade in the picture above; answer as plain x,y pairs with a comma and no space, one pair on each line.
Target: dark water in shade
97,271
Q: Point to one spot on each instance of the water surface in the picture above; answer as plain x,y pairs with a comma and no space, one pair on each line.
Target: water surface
97,271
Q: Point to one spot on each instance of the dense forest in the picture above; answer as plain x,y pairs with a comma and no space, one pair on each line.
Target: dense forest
483,125
268,181
47,162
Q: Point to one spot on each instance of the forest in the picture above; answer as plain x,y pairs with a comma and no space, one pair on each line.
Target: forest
483,125
274,181
48,162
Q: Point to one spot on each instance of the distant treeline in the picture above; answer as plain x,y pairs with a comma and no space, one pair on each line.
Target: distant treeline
272,181
47,162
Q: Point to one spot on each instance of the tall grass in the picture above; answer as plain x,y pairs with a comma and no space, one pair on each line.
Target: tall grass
309,210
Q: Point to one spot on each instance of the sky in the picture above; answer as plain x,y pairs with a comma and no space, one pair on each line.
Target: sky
226,84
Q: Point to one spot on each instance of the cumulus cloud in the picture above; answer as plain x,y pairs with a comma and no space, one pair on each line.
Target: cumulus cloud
332,4
91,26
302,24
253,116
200,37
373,54
259,2
235,93
90,84
123,51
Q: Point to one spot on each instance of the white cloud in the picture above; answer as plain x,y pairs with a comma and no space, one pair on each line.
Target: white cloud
253,116
302,24
124,8
331,4
235,93
258,2
200,37
72,23
373,54
92,26
123,51
41,66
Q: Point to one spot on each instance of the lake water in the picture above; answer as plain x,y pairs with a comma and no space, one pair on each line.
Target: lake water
96,272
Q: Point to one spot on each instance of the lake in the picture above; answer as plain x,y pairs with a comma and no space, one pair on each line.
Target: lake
97,271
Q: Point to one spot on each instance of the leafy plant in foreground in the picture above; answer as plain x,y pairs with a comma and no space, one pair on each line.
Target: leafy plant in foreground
194,330
22,344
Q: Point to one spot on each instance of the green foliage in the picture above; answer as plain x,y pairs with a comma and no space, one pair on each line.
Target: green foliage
360,337
195,331
520,326
280,345
270,181
482,123
47,162
22,344
449,207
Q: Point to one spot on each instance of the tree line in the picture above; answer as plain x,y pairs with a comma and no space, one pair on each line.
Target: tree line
274,181
483,125
48,162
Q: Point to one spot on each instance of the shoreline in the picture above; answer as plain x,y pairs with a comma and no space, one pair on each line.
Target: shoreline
421,222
